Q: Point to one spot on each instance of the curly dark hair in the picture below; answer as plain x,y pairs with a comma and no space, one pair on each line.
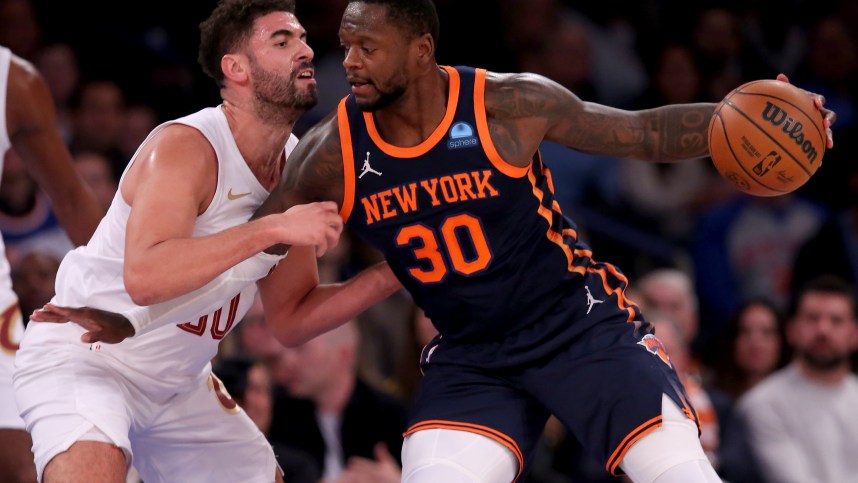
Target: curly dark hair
416,17
228,26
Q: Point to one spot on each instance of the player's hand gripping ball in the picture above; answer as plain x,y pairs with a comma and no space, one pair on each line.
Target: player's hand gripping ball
767,137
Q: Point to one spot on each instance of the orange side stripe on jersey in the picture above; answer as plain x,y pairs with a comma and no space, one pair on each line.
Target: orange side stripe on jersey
639,432
437,134
348,161
553,236
622,301
472,428
485,135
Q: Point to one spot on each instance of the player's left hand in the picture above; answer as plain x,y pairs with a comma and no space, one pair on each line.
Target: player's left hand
101,325
829,117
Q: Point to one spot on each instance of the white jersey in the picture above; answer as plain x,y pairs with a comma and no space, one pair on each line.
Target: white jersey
172,358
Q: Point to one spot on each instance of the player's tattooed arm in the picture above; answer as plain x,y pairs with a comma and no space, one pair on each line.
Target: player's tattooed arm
313,172
526,107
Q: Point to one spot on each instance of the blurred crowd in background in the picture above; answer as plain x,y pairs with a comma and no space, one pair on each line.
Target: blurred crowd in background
719,269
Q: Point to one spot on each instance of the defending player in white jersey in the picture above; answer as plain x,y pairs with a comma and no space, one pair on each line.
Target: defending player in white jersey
28,125
179,221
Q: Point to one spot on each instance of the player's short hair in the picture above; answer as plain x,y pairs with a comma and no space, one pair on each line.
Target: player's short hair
228,26
415,17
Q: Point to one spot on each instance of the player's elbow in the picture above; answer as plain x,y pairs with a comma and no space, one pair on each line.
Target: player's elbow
141,291
291,338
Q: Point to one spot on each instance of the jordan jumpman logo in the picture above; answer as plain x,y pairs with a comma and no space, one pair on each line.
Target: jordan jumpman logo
367,168
590,300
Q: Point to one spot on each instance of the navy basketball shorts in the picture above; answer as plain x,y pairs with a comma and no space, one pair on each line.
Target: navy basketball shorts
605,386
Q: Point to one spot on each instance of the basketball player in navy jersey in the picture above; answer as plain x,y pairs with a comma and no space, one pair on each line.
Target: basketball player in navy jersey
439,168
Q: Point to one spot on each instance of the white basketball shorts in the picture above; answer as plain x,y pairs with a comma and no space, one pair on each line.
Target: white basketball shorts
64,391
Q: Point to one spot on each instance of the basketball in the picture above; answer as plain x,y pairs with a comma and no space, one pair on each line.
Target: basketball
767,138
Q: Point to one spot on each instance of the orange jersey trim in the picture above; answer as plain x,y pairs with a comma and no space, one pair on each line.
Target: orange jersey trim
622,302
483,129
627,442
486,431
348,161
434,138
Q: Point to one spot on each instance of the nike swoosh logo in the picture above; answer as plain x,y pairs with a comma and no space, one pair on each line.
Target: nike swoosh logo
236,196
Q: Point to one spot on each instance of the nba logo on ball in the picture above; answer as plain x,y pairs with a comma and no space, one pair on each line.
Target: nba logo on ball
767,138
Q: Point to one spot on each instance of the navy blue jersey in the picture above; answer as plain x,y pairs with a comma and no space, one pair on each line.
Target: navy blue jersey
480,244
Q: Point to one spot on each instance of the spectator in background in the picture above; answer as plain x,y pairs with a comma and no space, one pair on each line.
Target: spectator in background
99,110
33,279
671,292
248,382
801,419
353,431
667,197
97,172
27,219
745,248
20,29
833,249
138,121
831,68
58,64
753,347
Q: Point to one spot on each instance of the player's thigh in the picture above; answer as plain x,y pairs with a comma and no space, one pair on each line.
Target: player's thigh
66,393
203,436
671,453
607,389
88,461
469,400
451,456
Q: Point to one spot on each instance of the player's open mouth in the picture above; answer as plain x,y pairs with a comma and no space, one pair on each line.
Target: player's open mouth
305,74
359,88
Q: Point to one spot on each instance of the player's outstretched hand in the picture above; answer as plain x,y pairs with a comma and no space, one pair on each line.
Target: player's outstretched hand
313,224
829,116
101,325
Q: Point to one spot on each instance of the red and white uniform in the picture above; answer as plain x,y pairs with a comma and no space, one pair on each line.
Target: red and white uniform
153,394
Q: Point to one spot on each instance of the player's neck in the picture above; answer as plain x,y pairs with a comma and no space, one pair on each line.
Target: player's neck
414,117
260,143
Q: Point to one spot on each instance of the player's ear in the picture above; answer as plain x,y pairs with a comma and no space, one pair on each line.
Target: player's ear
234,68
425,46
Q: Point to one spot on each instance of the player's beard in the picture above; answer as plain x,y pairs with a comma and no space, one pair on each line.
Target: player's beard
278,93
387,94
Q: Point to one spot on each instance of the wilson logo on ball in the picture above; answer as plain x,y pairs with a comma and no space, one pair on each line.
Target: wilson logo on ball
792,128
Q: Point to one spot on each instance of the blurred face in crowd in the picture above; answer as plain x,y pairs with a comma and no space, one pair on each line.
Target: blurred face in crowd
257,397
310,370
824,332
757,346
671,294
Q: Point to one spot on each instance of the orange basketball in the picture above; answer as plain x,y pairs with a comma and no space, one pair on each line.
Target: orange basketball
767,138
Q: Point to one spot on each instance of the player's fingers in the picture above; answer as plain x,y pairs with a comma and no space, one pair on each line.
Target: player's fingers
329,206
321,248
91,336
42,315
782,77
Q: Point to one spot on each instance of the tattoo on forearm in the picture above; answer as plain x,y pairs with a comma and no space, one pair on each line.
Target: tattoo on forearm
682,131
